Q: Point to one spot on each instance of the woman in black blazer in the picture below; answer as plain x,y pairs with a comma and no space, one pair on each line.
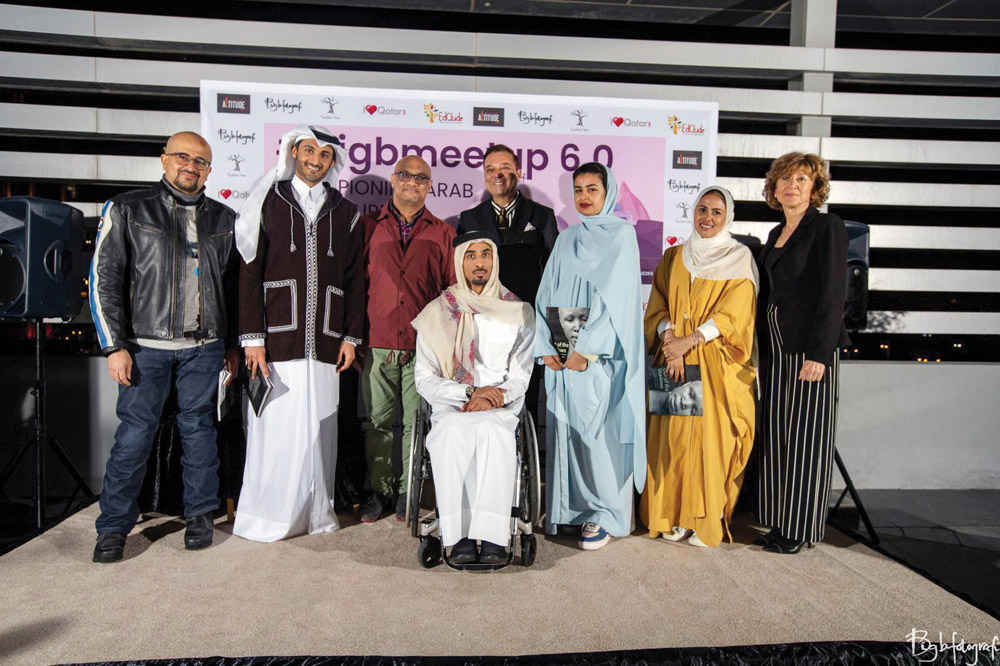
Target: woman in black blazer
803,276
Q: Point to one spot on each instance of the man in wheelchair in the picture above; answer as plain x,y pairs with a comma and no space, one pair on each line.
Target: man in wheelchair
474,360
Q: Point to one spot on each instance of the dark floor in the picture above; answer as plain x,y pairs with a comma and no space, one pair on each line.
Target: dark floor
950,536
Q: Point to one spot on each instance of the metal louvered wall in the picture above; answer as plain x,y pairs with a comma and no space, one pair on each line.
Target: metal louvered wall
88,98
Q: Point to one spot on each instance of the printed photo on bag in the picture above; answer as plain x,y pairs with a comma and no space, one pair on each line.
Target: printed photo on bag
670,398
565,324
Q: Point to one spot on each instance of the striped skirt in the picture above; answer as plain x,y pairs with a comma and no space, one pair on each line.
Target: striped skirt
797,435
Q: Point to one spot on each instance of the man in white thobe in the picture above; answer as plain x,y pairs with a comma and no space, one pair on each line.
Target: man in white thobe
473,363
302,290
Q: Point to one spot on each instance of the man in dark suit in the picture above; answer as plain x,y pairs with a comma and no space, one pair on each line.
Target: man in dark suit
524,232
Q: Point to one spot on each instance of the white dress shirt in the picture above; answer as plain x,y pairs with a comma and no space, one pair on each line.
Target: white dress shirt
311,199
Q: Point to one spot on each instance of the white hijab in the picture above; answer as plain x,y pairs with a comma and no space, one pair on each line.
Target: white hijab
248,220
720,257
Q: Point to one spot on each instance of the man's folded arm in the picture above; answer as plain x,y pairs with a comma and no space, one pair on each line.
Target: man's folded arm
430,380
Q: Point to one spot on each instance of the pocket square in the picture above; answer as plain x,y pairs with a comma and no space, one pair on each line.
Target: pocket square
529,227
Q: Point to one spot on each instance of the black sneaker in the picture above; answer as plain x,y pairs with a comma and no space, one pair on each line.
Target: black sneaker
110,547
198,534
374,508
491,553
401,508
463,552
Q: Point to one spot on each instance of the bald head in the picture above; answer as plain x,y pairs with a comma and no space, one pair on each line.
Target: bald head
186,161
408,193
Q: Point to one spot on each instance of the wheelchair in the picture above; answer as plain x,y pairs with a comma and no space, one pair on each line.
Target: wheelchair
525,509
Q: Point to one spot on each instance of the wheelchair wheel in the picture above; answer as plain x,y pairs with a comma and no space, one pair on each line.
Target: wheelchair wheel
429,552
531,481
528,549
418,469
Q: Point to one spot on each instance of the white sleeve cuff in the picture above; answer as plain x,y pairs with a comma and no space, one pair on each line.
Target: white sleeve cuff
663,326
709,330
253,342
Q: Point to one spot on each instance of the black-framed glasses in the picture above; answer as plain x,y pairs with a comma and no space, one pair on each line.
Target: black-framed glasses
200,163
406,176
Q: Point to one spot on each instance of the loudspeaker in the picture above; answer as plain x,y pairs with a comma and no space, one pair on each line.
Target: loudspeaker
41,271
856,307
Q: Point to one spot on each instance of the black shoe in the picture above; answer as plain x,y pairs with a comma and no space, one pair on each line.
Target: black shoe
199,531
766,539
785,546
374,508
110,547
401,508
491,553
463,552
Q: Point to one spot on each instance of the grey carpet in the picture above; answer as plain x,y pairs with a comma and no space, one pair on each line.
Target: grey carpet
360,591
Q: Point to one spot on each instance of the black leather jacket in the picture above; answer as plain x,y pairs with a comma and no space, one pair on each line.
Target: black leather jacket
138,272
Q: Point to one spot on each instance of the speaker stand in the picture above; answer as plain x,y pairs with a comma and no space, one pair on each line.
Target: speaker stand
40,439
849,488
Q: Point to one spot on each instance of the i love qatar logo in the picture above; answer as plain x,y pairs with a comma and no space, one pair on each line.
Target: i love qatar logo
625,121
226,193
378,109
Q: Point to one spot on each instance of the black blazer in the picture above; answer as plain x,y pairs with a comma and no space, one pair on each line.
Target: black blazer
808,283
523,254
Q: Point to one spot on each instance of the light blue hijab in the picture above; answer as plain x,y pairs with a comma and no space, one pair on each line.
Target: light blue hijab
607,256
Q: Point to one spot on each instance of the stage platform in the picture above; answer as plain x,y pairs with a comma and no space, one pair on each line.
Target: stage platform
360,591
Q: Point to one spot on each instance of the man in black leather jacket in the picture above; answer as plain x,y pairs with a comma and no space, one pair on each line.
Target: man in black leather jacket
163,288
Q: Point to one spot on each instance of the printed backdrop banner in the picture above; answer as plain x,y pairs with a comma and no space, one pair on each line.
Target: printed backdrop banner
662,152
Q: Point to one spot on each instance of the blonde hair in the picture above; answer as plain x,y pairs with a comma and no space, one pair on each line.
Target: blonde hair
789,163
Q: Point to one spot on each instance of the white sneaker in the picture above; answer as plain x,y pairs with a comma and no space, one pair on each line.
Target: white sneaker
695,541
678,534
593,536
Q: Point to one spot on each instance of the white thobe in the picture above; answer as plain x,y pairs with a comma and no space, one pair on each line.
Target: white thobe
291,460
473,454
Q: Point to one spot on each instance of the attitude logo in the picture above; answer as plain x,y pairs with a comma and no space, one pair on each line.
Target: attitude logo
487,116
229,103
680,127
687,159
436,115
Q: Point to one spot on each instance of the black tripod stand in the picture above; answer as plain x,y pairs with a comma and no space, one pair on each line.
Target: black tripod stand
849,488
40,439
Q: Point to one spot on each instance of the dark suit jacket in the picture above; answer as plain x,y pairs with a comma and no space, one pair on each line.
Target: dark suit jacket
524,253
808,283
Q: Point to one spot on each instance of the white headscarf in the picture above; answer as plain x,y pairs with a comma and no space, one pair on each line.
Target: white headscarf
248,220
447,324
720,257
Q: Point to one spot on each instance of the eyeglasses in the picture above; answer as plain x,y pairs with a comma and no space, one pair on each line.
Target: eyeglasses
406,176
200,163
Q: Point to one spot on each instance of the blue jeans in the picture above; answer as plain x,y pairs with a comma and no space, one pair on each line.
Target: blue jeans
139,408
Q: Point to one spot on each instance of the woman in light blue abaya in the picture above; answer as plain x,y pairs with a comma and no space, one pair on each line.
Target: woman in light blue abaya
595,381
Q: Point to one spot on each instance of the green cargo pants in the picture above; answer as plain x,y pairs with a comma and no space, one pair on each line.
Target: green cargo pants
383,382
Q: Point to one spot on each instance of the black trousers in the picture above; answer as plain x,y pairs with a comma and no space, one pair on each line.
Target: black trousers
797,432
